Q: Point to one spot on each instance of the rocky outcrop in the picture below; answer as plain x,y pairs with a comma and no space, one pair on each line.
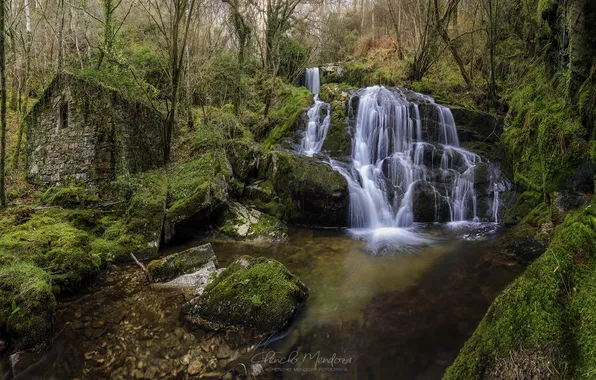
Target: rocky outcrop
198,190
180,263
310,191
256,294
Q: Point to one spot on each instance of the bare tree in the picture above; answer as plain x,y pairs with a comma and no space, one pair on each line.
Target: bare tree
173,20
2,106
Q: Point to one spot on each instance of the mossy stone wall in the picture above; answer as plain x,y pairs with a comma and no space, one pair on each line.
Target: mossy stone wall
83,130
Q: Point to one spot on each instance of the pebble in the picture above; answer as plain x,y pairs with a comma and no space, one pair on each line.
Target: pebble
195,367
223,351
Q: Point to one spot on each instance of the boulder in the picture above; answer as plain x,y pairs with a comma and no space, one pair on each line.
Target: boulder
198,190
258,294
246,223
27,304
310,191
180,263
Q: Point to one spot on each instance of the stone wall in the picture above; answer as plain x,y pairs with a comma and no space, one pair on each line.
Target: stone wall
83,130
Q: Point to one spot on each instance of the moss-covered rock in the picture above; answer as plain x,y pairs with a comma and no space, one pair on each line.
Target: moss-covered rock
27,304
338,142
259,294
544,322
180,263
197,189
285,121
54,239
310,191
68,196
246,223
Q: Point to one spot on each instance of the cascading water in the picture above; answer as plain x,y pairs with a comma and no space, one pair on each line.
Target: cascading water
316,131
405,169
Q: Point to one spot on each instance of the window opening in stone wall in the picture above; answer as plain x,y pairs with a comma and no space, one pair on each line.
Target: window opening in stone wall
63,120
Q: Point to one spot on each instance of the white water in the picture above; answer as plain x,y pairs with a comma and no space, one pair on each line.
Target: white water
404,167
318,125
393,159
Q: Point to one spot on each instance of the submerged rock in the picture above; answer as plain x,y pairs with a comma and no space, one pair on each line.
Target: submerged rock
182,263
246,223
258,294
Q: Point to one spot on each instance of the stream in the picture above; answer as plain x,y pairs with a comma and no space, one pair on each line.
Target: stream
395,314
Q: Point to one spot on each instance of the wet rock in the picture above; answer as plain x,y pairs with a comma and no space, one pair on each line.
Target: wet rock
181,263
195,367
246,223
22,360
428,205
257,294
310,191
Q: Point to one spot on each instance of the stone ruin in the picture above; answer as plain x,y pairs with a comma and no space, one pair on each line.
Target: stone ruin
81,129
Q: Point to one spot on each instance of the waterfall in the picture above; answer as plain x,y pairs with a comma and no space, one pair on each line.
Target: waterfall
401,172
313,80
406,165
318,123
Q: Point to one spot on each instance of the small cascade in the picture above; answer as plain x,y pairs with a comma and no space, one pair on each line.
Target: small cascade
312,80
319,117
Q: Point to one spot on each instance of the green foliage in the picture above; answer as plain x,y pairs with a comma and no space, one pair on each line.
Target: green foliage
293,56
121,80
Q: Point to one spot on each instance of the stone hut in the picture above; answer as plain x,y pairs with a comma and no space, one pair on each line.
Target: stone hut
83,130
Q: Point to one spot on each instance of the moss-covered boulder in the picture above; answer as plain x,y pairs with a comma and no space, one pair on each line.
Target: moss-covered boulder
246,223
180,263
27,304
544,323
310,191
197,189
257,294
60,242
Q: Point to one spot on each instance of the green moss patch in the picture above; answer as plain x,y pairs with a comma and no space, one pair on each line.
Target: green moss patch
196,188
284,121
27,304
258,294
543,321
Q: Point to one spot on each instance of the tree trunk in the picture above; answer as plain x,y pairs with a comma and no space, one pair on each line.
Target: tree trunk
2,108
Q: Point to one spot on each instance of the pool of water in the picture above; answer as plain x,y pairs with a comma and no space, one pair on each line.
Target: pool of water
374,312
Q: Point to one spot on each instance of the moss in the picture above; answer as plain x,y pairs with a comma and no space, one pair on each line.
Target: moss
246,223
548,311
546,144
255,293
68,196
27,304
197,186
338,141
284,121
180,263
51,240
310,191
